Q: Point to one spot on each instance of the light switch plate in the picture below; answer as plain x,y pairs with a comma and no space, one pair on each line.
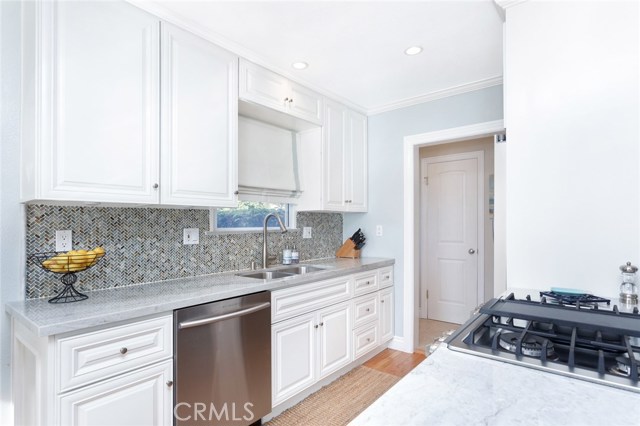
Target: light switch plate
306,232
191,236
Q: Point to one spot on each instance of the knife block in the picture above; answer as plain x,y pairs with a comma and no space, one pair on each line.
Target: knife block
348,250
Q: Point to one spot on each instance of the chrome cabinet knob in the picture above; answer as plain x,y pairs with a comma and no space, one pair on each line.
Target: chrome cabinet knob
169,383
123,350
368,309
315,326
471,251
155,186
321,324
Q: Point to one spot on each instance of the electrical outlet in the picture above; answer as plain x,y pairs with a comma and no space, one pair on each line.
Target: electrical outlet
306,232
378,230
191,236
64,240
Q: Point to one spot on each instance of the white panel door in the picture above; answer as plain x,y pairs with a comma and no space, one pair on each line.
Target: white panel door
385,325
199,121
305,103
141,398
335,338
452,239
356,162
334,156
101,142
294,356
263,87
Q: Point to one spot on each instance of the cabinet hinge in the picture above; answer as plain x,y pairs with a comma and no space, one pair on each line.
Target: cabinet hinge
426,180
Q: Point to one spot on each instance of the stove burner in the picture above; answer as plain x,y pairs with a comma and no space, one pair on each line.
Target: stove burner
531,345
574,299
623,366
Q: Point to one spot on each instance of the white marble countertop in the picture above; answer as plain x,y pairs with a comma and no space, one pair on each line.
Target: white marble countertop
452,388
134,301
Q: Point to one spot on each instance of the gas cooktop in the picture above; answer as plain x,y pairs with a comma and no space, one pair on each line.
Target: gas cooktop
587,340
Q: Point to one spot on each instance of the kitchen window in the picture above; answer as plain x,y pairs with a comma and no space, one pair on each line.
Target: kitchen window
249,216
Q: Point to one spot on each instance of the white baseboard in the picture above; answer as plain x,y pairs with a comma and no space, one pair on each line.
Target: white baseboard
398,343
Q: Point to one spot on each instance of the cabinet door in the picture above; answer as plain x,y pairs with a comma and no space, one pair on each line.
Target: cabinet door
386,315
263,87
99,107
140,398
333,146
294,356
356,162
335,338
305,103
199,121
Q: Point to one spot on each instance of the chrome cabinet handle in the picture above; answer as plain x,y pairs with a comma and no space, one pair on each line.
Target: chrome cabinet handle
123,350
471,251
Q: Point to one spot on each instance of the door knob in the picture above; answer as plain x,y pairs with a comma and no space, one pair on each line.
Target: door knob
471,251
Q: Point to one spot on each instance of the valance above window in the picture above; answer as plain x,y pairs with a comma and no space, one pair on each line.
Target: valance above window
267,162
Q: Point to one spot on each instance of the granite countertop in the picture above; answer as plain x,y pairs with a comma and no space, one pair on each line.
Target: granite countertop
134,301
453,388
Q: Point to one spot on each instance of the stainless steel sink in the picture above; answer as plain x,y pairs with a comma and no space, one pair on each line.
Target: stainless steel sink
267,275
299,270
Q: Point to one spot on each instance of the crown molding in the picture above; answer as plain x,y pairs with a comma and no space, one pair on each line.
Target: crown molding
157,9
438,94
505,4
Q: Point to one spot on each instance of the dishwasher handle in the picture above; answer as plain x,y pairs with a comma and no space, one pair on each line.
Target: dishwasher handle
203,321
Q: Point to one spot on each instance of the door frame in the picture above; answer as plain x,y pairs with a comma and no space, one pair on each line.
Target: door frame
410,158
424,162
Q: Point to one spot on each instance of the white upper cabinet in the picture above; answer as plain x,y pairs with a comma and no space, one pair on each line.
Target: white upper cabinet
105,121
264,87
339,182
90,129
199,121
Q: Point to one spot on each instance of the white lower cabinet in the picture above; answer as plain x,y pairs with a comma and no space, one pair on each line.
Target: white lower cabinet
385,323
140,398
117,375
309,347
330,330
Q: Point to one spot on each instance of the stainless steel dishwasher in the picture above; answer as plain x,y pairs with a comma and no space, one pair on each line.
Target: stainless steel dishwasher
222,361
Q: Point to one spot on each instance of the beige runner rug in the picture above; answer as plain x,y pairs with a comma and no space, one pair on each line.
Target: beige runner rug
339,402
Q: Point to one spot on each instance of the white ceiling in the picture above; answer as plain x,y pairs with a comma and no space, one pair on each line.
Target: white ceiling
355,49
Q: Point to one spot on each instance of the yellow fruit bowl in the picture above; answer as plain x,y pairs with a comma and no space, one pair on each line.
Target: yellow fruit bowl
71,261
68,263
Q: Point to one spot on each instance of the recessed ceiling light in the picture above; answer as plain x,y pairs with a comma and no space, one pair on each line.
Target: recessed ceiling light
300,65
413,50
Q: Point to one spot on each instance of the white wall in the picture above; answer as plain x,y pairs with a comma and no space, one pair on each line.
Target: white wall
11,211
572,118
386,134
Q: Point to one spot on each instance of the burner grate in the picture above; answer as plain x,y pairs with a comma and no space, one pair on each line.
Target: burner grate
574,299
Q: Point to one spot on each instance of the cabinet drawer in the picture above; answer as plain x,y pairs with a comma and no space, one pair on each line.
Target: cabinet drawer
365,338
89,357
305,298
365,282
385,277
365,309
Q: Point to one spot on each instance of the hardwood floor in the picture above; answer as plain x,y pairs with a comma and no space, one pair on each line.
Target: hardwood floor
395,362
430,330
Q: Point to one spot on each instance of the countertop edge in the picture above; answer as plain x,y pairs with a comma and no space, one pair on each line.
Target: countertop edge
20,310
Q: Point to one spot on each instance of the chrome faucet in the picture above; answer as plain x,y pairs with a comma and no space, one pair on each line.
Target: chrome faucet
265,256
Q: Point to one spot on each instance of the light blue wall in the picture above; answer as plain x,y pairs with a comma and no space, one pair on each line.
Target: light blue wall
386,137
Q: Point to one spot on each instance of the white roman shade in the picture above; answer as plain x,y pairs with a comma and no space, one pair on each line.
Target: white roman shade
267,162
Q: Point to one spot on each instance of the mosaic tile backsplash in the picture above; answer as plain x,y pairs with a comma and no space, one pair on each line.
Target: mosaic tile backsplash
145,244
